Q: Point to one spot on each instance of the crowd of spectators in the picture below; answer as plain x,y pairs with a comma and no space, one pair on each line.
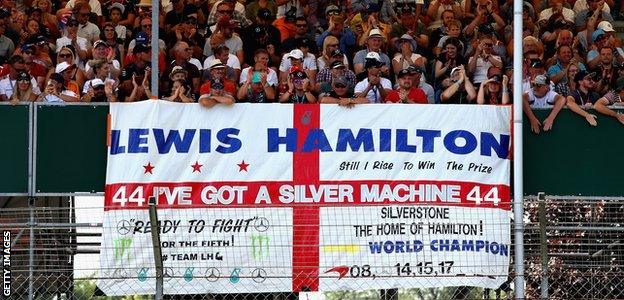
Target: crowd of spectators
306,51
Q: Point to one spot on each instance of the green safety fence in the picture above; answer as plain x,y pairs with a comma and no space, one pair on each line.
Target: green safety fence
573,158
14,148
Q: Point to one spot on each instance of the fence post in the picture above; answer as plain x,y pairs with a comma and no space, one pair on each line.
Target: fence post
541,197
389,294
31,249
157,251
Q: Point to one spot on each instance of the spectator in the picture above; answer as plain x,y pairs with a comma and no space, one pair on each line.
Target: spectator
437,7
565,87
137,69
224,34
232,65
109,36
341,94
55,91
494,89
98,90
373,87
101,70
180,92
35,69
449,59
558,72
408,24
453,30
583,97
595,7
218,89
482,60
252,8
336,69
182,54
330,53
256,88
448,16
94,6
261,59
405,56
80,45
6,44
557,8
536,67
606,71
16,66
406,93
47,18
231,9
457,88
86,29
612,98
540,96
301,58
298,88
181,12
336,28
23,89
145,36
301,32
261,34
102,51
374,42
418,80
66,55
68,71
115,13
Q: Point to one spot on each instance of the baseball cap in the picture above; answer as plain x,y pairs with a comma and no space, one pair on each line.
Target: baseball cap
215,64
99,43
541,80
332,8
302,42
597,34
340,80
265,14
337,64
23,76
62,67
97,82
581,74
298,74
606,26
296,54
119,6
141,38
141,48
336,52
404,72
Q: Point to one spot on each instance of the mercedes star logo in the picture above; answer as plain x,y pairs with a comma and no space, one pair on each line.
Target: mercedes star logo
261,224
123,227
259,275
212,274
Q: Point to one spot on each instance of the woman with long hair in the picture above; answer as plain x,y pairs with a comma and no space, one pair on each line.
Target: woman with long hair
66,54
109,35
330,44
23,89
494,89
565,87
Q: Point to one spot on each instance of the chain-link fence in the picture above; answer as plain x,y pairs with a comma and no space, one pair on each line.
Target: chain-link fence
573,250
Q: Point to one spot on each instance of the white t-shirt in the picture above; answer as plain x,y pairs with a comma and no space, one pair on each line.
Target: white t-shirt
234,44
6,87
309,63
581,5
87,84
232,62
373,95
271,78
82,43
547,100
161,45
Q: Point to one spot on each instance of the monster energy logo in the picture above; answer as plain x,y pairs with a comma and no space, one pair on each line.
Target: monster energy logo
259,246
122,248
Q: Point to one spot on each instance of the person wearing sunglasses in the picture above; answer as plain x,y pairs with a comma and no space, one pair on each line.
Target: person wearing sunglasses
34,67
342,94
406,93
78,43
483,58
23,89
7,84
584,96
299,88
86,29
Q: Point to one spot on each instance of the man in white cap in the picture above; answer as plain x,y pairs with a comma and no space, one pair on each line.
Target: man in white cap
373,44
539,96
218,89
303,60
102,51
373,87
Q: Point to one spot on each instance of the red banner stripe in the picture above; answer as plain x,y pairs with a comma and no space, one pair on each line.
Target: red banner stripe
201,195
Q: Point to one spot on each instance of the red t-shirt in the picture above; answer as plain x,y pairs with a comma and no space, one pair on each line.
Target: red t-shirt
228,86
416,95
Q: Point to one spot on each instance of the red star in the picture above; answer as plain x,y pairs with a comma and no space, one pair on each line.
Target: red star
242,166
196,167
148,168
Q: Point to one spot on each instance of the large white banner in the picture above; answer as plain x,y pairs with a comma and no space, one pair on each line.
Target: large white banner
280,198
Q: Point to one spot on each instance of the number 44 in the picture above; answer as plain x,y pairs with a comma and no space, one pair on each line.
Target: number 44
491,196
